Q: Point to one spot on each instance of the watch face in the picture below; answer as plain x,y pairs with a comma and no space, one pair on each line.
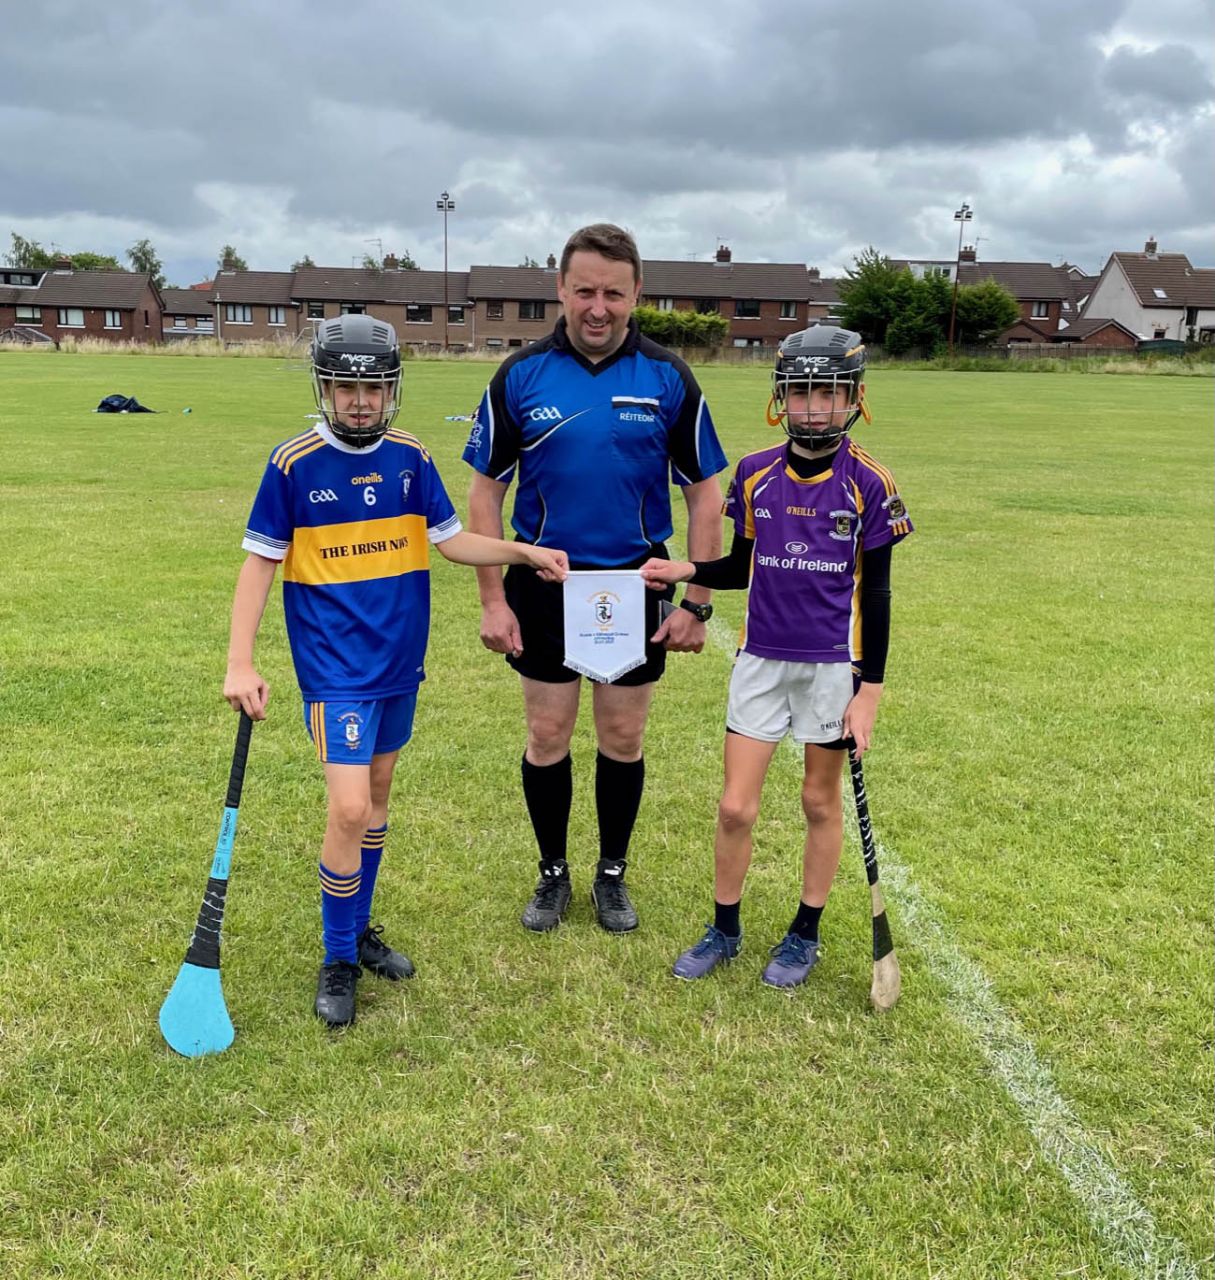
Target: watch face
701,612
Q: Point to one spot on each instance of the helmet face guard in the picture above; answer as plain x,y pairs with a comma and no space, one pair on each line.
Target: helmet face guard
820,357
355,362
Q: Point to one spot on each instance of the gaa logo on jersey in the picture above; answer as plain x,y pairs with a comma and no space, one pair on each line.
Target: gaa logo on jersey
406,481
843,525
322,495
352,724
549,413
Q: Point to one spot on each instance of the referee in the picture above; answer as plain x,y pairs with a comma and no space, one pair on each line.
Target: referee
593,423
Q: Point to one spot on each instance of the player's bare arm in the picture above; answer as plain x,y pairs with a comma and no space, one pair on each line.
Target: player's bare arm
664,573
476,549
244,688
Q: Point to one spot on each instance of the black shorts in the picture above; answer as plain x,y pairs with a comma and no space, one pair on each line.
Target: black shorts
540,609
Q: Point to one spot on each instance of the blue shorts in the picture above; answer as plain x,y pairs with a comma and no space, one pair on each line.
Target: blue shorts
352,732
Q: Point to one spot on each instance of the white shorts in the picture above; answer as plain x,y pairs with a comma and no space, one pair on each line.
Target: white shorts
770,699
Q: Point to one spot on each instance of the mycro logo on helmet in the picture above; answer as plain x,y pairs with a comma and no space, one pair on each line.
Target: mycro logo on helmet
322,495
550,413
356,360
815,360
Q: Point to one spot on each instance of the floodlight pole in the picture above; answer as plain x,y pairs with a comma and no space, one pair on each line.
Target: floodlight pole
445,204
961,216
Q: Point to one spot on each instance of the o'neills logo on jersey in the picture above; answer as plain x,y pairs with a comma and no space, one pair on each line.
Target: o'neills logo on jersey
805,566
373,478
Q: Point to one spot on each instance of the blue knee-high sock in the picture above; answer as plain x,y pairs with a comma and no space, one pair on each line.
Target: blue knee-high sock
338,897
373,851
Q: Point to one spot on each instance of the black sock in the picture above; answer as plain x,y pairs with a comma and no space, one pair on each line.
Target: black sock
548,790
725,918
805,923
618,786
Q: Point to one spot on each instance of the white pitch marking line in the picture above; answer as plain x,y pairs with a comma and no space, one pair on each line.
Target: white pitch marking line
1127,1227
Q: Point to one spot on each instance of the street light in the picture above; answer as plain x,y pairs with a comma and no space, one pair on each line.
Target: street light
445,204
961,216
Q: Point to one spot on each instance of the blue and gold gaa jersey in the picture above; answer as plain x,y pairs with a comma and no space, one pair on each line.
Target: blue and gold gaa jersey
353,529
596,446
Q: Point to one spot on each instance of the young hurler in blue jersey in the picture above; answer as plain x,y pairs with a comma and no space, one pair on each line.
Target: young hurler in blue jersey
349,508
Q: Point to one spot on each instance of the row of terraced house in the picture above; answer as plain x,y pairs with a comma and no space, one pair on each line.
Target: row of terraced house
1136,297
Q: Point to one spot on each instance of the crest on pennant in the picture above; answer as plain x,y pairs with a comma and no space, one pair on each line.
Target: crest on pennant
602,603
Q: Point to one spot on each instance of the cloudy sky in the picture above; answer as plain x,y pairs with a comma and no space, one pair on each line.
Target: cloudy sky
798,131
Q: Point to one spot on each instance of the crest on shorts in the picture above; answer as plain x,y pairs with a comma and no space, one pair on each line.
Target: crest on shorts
352,724
842,532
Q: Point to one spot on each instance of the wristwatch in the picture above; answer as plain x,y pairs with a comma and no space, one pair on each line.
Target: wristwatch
701,612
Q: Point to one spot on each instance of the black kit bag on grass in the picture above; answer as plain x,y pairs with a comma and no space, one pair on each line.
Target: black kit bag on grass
122,404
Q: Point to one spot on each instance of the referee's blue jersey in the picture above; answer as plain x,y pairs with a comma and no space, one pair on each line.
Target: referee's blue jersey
594,447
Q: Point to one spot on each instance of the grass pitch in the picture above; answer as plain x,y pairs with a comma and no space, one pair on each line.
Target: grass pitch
558,1106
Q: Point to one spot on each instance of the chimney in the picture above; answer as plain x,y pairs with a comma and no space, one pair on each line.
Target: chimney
723,253
551,264
228,264
1150,247
391,262
814,273
63,263
967,254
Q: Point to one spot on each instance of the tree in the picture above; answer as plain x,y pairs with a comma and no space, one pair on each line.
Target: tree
143,258
371,263
528,262
230,260
985,310
86,261
682,328
305,261
868,295
405,261
28,253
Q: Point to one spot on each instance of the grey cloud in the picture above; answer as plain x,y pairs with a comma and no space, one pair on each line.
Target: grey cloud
799,130
1172,74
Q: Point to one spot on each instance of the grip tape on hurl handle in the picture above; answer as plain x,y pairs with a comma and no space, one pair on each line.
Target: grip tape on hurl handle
204,944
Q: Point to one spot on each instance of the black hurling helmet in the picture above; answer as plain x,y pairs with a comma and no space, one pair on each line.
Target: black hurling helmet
361,351
823,355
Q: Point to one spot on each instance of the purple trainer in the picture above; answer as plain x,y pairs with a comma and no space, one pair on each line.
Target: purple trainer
792,960
713,949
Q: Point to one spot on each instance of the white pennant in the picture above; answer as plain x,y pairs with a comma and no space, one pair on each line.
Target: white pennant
605,629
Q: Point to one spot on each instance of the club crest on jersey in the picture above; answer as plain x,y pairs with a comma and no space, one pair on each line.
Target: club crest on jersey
843,525
602,605
352,724
894,508
406,481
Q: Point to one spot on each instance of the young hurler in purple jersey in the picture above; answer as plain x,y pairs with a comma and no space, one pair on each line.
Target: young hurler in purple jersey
815,519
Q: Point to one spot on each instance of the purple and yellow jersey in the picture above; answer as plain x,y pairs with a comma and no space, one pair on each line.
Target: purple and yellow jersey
353,529
803,604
